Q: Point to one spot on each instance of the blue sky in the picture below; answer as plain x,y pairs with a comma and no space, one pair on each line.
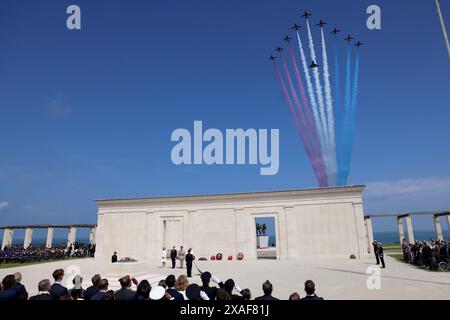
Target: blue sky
88,114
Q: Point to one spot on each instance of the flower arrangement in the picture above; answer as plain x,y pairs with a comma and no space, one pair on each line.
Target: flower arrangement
127,259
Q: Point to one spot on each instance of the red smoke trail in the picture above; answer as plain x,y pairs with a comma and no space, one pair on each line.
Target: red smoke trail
315,143
297,123
313,155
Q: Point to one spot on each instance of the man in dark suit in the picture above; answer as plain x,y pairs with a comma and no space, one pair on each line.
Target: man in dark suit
114,257
21,292
170,282
211,292
44,291
57,290
125,293
267,289
173,256
92,290
102,289
310,289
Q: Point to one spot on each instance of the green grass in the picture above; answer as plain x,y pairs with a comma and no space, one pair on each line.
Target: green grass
15,265
398,256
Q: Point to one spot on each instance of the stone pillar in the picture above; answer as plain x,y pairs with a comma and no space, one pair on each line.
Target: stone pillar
71,237
92,235
401,232
369,230
7,237
447,217
282,233
49,242
409,229
438,228
28,238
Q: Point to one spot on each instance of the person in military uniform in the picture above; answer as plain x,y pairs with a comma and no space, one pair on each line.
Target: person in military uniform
189,258
375,251
381,254
181,256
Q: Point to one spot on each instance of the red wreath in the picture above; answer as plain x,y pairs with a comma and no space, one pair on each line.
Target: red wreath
230,257
240,256
213,257
219,256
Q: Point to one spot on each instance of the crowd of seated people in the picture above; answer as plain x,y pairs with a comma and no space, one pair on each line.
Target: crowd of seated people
171,288
18,254
427,253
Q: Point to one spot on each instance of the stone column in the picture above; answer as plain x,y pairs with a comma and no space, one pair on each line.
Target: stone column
28,238
49,242
92,235
72,235
447,217
282,232
401,232
409,229
438,228
369,230
7,237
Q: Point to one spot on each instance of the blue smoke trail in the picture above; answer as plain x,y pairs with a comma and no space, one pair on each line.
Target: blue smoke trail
346,140
338,120
353,107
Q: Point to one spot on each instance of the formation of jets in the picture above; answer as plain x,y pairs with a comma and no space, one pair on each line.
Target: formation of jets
321,24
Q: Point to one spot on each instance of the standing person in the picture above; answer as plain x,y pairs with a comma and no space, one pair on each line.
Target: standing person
405,249
181,256
57,290
375,251
163,257
381,254
173,256
114,257
189,259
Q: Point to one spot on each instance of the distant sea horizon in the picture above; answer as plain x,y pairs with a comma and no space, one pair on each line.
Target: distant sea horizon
381,236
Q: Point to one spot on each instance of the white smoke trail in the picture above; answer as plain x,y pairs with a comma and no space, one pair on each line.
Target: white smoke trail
329,111
311,95
318,87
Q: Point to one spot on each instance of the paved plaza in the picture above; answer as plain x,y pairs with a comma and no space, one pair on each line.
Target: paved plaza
335,279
